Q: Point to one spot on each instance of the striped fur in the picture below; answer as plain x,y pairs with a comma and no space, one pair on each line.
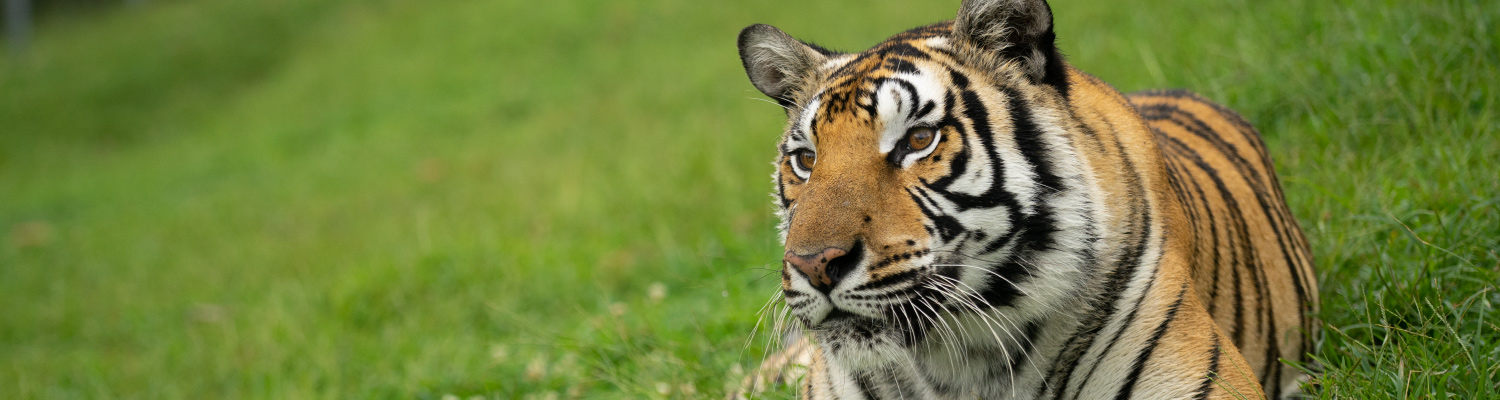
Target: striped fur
1053,239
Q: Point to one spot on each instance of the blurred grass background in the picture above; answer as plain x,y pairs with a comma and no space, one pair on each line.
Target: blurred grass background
505,199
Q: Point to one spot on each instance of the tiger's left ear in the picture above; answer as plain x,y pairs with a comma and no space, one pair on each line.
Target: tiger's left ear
1019,30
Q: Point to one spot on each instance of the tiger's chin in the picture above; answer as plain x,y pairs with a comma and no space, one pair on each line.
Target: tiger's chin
860,343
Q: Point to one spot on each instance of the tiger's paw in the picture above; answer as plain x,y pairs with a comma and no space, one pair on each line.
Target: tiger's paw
787,367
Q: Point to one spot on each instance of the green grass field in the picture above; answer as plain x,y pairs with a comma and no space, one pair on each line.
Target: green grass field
551,200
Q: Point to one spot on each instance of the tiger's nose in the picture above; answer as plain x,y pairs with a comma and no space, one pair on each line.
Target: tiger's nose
824,269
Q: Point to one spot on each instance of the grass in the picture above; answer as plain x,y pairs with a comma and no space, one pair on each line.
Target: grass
396,198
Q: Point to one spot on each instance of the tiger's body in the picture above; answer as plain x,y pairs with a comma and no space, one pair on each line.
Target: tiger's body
967,216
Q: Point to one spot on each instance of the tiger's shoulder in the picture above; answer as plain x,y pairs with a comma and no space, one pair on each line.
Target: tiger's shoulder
1250,264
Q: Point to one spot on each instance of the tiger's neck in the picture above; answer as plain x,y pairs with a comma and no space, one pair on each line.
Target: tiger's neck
1068,327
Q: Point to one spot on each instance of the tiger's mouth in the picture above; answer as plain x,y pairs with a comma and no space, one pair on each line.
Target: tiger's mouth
905,321
860,342
841,325
840,320
839,317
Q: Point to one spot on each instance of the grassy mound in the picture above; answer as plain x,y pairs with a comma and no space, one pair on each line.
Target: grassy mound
396,198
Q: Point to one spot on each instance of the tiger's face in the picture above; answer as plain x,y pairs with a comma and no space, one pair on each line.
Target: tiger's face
929,191
866,243
922,194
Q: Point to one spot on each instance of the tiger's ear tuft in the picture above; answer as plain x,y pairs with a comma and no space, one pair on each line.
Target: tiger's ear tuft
776,62
1019,30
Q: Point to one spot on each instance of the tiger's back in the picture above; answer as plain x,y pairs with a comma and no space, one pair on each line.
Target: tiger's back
1251,262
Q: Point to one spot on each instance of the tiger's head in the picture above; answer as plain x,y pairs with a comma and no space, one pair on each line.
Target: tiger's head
926,186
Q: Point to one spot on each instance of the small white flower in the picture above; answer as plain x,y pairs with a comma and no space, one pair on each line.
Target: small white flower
536,369
663,388
657,292
499,352
568,363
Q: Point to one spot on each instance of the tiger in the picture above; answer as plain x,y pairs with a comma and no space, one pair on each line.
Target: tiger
966,215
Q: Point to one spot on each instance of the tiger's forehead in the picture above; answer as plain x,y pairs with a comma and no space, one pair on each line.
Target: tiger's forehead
848,91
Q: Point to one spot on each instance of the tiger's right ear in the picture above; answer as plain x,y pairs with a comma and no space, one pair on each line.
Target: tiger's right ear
776,62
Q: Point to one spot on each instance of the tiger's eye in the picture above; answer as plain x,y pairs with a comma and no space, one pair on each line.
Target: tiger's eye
919,138
806,158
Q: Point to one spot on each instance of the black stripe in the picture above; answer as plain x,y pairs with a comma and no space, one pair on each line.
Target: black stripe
946,52
847,72
799,304
900,65
1213,369
911,97
904,276
902,292
1025,345
866,101
926,110
1028,138
960,162
863,383
947,226
809,386
958,78
904,49
1176,174
781,193
1150,347
1056,71
1000,241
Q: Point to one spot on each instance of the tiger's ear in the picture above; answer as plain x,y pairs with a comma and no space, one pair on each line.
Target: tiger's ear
1019,30
776,62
